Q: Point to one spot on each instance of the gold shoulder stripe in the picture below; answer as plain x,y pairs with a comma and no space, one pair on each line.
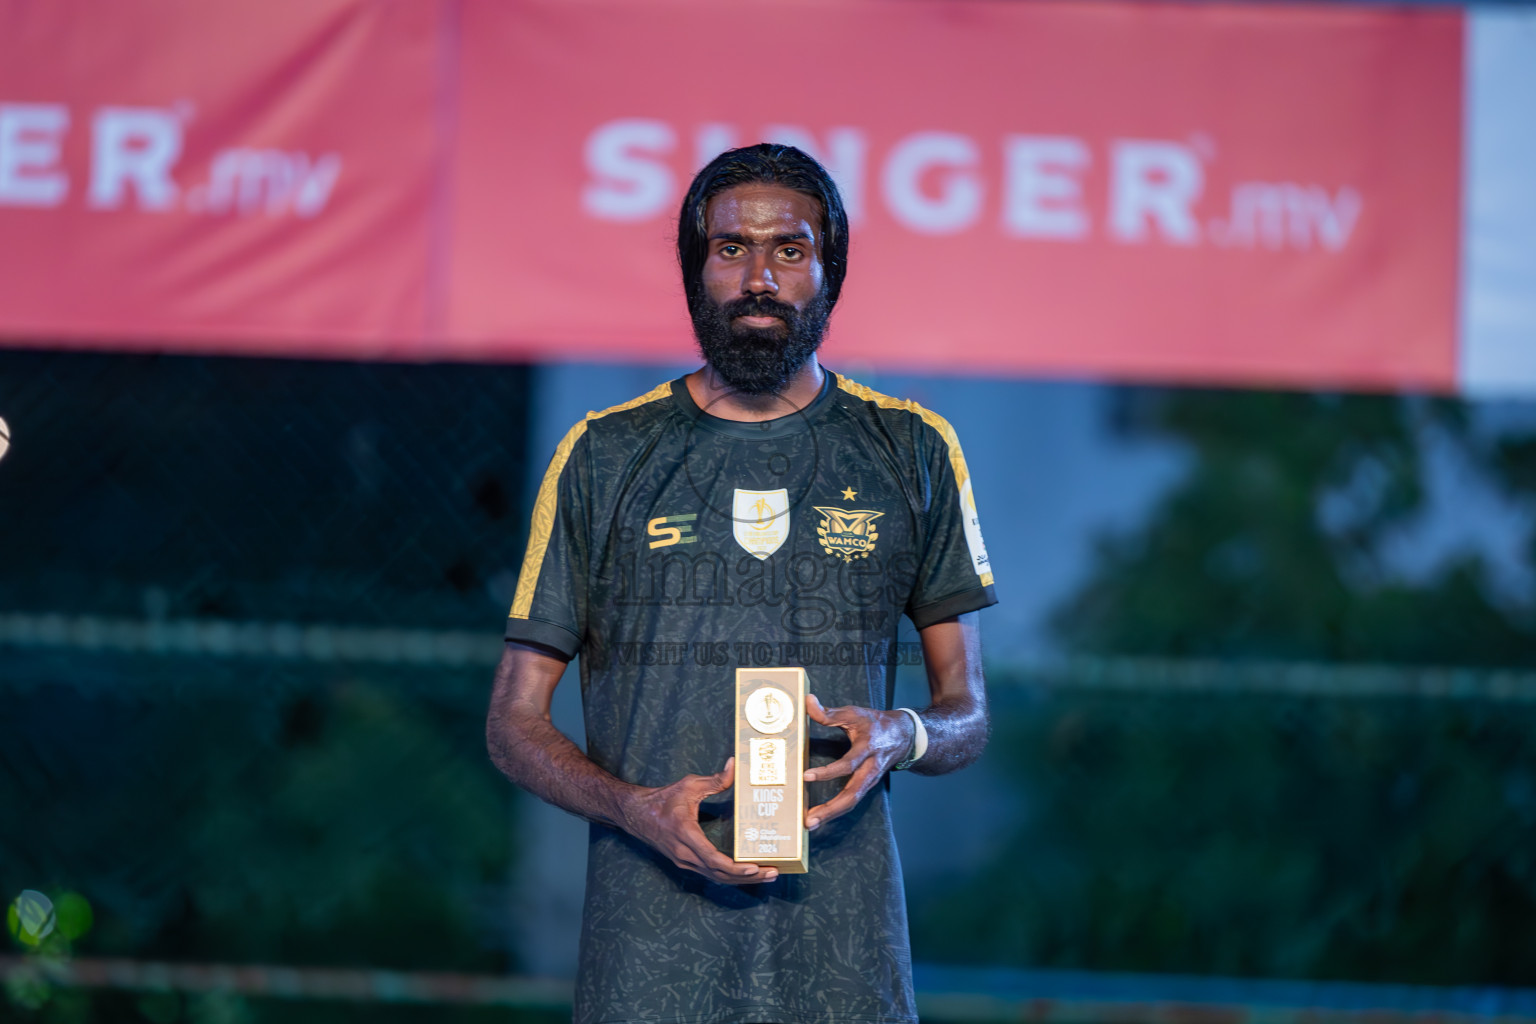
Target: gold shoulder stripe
934,420
544,505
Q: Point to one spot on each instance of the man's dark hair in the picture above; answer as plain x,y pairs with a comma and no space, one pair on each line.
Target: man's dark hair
769,164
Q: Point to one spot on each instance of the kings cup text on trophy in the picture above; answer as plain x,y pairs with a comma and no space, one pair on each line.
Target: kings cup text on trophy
771,754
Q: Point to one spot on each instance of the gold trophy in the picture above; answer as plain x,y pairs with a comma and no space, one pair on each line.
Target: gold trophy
771,752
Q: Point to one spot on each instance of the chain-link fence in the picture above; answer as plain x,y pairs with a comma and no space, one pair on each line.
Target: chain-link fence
238,719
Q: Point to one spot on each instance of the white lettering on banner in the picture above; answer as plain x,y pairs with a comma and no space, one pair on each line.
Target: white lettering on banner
631,185
1044,191
960,202
31,135
133,158
1156,181
267,181
1334,220
936,183
138,145
1280,215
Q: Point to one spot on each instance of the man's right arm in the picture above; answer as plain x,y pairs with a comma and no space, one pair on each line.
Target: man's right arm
530,751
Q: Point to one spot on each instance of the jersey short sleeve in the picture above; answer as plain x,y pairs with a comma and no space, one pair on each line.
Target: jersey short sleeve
550,606
954,575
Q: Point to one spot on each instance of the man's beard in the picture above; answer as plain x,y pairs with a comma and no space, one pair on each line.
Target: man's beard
759,360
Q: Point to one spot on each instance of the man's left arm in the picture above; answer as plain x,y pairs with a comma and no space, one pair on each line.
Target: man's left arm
956,721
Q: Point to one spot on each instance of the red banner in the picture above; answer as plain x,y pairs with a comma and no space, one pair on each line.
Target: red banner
1182,192
232,177
1210,193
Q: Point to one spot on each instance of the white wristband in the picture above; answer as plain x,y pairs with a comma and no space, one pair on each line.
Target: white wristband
919,741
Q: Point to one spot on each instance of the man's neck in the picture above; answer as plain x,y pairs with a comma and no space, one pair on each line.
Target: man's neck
718,398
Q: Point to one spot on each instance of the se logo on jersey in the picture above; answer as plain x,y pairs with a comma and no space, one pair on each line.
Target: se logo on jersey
672,530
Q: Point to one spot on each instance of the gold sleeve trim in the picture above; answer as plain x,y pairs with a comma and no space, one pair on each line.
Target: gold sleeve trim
934,420
544,506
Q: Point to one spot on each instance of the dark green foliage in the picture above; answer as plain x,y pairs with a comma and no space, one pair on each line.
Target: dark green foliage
345,823
1334,838
1275,543
1235,832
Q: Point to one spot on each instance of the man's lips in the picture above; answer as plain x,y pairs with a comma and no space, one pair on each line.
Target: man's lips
759,321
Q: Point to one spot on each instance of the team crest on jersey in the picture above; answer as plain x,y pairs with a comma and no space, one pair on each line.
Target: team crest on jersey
760,520
848,533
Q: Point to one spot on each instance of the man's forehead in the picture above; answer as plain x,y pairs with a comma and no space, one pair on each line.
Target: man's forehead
762,208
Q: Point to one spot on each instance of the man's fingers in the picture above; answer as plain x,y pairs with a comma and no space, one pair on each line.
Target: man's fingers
835,770
667,819
843,765
691,849
697,787
756,876
834,808
698,854
846,800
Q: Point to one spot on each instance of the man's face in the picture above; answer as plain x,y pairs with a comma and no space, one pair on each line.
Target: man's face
766,311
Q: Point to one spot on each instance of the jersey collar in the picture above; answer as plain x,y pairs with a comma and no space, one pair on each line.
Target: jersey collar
794,423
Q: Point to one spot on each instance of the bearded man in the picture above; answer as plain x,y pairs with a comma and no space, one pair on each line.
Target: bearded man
758,506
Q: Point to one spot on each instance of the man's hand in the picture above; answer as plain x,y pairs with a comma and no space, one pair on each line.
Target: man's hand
956,721
879,739
667,819
531,752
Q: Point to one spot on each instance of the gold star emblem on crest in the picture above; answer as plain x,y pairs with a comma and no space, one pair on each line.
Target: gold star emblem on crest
849,494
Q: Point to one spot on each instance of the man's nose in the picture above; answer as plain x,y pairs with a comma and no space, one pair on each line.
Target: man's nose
759,277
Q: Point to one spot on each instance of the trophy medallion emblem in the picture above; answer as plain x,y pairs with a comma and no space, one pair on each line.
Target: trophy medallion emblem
768,709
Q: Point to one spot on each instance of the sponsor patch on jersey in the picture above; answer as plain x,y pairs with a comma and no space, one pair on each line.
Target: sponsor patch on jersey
760,520
848,533
669,530
972,523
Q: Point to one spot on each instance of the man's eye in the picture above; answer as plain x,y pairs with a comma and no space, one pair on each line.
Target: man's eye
791,252
729,250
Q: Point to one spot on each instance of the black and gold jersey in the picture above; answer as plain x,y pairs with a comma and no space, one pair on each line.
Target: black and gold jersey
670,547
